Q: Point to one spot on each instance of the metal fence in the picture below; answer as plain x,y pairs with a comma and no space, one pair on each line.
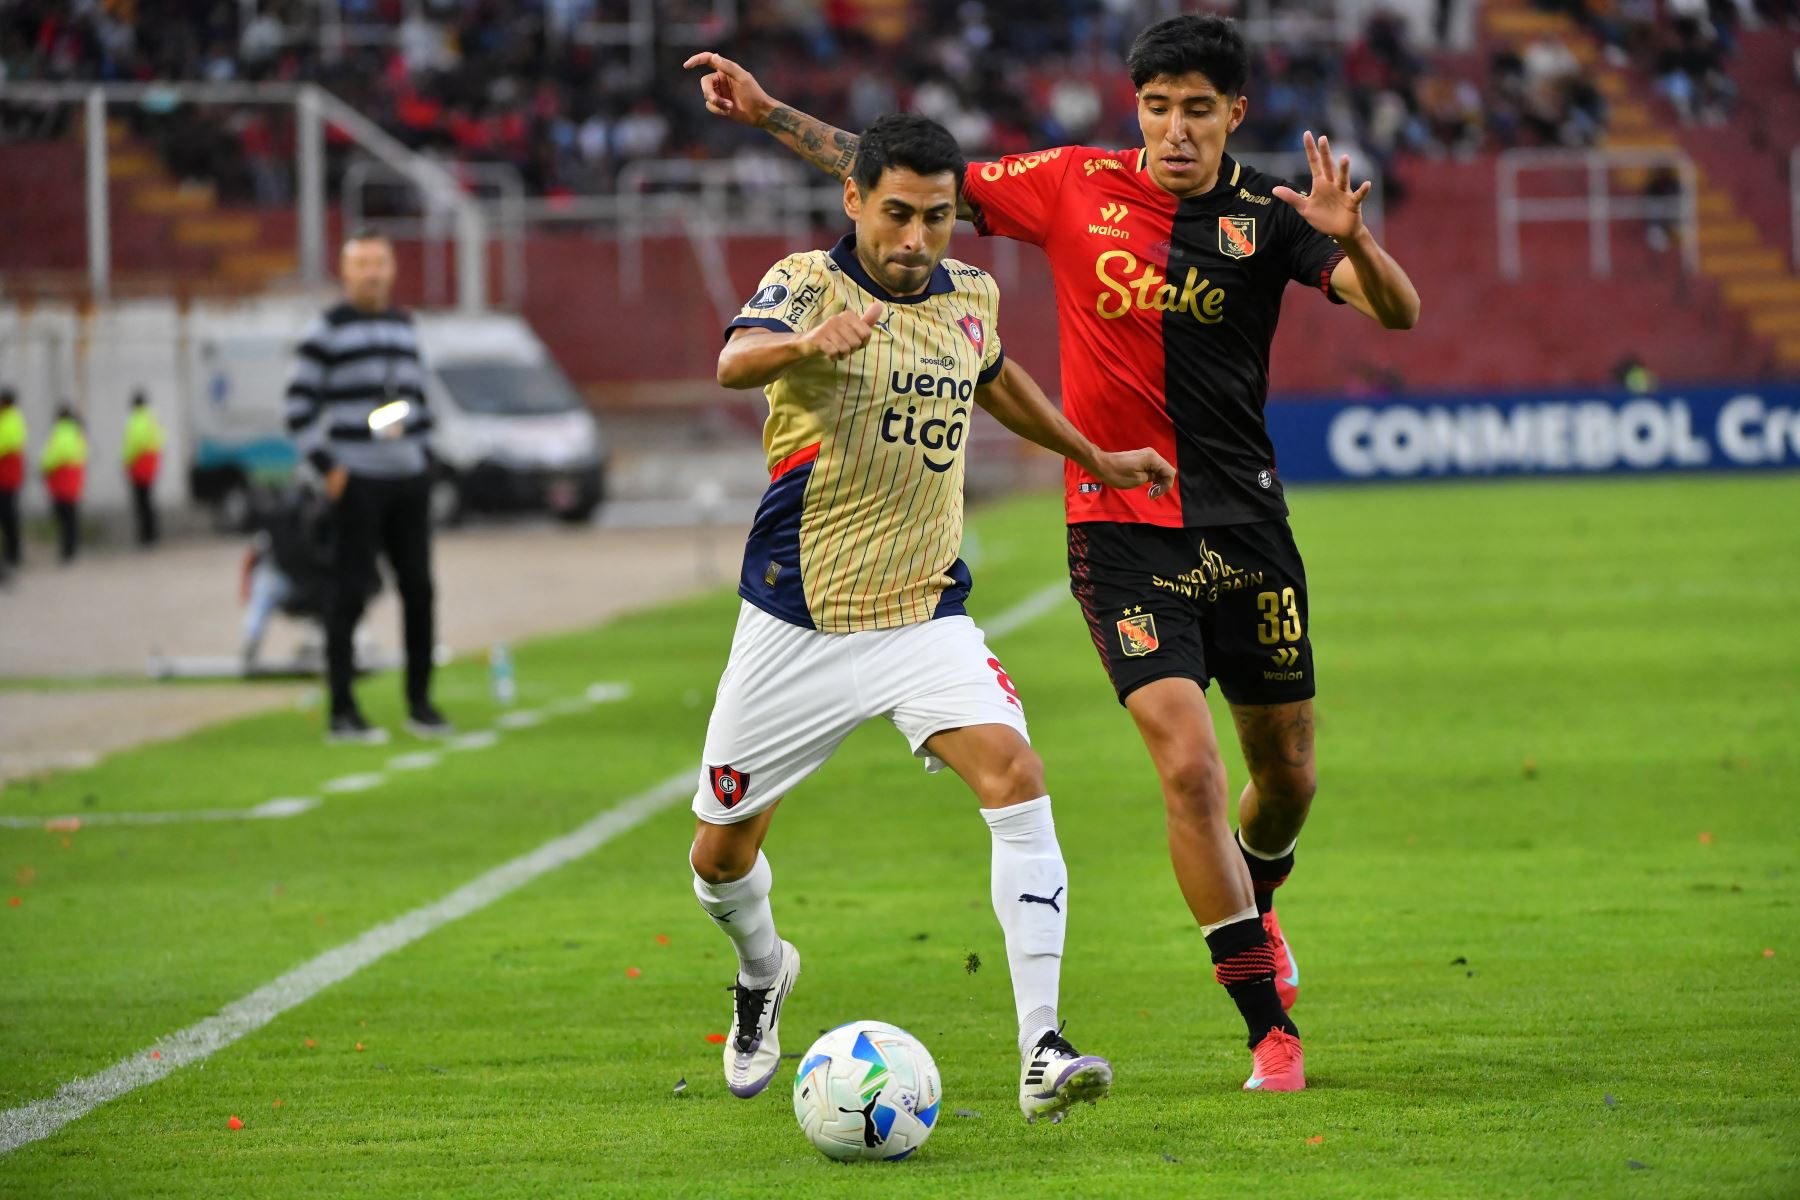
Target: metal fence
1599,205
313,108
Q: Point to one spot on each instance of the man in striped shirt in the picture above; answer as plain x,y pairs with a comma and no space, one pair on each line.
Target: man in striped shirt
357,410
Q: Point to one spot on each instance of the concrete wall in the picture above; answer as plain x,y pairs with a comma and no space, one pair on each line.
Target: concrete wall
96,358
95,361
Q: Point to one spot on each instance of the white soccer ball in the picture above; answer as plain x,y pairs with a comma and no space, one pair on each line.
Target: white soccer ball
867,1090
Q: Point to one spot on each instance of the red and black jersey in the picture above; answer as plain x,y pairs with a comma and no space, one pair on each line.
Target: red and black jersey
1166,309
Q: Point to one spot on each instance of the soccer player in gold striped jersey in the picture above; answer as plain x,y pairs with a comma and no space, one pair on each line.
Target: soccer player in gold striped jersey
873,355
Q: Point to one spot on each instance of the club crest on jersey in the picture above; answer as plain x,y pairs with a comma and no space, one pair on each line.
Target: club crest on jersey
1237,236
728,786
972,327
1137,635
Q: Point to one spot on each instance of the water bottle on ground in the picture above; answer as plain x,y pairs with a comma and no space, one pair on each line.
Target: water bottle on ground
500,674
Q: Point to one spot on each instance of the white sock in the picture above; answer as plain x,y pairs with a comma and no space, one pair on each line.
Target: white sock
1281,853
741,910
1028,863
1248,914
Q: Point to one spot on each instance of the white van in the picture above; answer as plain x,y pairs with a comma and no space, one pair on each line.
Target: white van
511,432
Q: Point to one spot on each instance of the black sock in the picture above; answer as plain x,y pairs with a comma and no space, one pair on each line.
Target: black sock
1266,874
1245,965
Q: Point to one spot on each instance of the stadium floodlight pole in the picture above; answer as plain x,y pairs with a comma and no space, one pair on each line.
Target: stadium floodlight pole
99,212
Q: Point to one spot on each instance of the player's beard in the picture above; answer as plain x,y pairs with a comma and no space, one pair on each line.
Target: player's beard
904,277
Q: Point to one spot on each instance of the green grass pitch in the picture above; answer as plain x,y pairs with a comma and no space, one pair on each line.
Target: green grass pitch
1553,847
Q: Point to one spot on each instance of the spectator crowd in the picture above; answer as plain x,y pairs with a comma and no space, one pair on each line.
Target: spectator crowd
556,89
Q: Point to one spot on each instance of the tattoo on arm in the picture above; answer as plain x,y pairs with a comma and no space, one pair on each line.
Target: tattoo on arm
828,148
824,146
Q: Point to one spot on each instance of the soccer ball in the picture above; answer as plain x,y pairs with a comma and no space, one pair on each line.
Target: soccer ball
867,1090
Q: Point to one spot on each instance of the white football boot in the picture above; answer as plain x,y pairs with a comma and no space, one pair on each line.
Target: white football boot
753,1051
1056,1077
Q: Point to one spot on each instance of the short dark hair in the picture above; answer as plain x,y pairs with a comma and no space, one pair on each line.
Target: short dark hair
910,142
368,233
1208,43
8,396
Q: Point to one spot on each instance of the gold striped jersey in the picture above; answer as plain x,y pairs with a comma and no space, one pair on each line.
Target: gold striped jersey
863,518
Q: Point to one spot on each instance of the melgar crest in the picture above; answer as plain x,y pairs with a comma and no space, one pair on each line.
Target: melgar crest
1137,635
1237,236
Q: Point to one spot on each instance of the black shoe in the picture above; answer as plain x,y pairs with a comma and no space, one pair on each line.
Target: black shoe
349,727
427,722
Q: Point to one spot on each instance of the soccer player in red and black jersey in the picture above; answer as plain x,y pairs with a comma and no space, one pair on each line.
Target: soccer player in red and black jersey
1170,261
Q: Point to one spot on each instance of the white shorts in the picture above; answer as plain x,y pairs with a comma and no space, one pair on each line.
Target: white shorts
790,696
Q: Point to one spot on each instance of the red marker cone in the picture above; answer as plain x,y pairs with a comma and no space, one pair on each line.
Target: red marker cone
234,1123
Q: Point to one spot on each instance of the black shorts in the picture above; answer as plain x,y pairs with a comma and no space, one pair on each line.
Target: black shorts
1226,603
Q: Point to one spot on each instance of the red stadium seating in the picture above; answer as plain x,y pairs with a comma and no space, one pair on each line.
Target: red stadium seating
1557,326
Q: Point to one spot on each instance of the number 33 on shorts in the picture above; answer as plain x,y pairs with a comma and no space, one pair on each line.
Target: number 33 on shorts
1280,617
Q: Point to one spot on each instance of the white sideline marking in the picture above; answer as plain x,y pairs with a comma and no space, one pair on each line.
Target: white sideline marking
525,718
284,806
281,806
598,693
73,1100
1027,610
353,783
41,1118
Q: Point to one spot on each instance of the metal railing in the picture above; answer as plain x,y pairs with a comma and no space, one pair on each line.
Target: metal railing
1794,207
1599,206
314,109
703,202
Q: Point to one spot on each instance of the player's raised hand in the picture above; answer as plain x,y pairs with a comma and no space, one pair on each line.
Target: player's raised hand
730,91
844,334
1333,208
1135,468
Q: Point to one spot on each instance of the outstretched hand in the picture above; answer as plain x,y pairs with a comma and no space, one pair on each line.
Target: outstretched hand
1333,208
731,91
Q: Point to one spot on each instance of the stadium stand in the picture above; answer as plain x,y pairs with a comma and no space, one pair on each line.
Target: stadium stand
203,195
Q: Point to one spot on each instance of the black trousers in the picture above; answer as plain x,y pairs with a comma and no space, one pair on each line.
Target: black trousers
390,518
145,508
68,528
9,526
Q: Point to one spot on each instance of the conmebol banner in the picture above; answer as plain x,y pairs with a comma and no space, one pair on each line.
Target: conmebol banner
1692,429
